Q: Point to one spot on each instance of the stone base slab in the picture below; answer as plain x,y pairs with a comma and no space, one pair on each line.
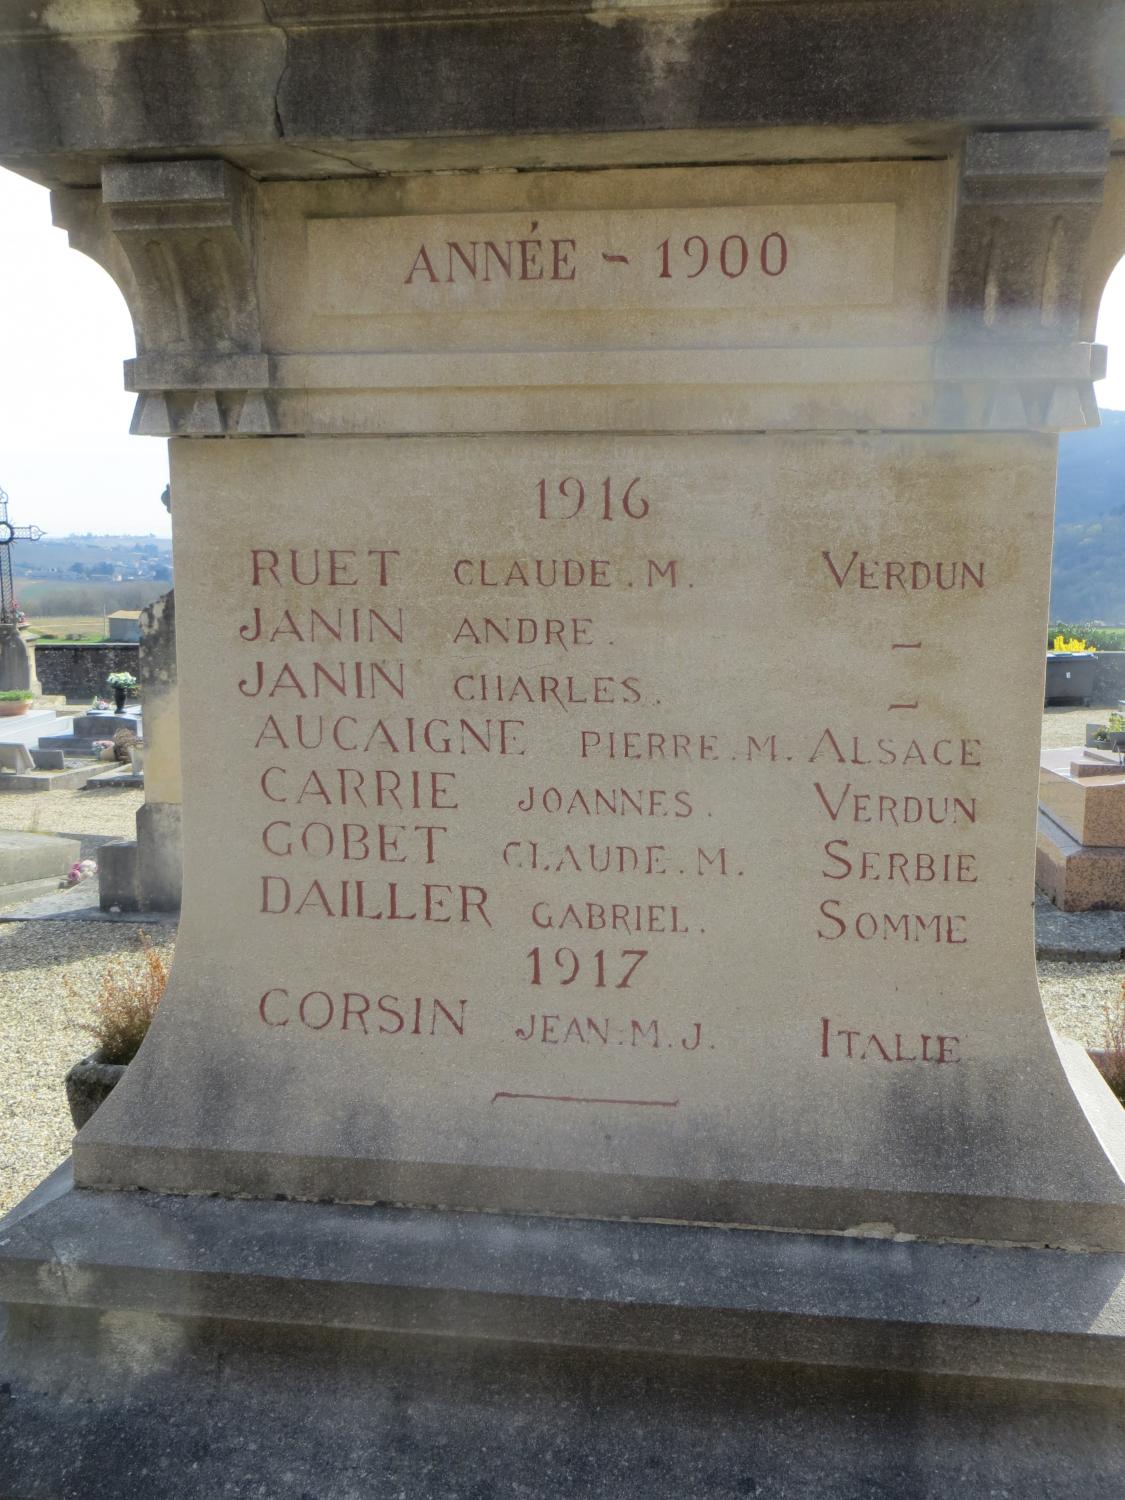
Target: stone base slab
1085,937
190,1346
1077,877
860,1300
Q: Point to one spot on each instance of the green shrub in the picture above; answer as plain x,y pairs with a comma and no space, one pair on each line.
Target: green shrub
16,695
1100,637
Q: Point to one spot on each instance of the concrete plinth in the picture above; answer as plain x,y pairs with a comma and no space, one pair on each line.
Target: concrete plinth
145,873
192,1346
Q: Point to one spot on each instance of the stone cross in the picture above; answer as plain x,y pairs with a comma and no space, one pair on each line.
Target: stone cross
8,535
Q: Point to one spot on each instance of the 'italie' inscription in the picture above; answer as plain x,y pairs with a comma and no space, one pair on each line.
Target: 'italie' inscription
530,794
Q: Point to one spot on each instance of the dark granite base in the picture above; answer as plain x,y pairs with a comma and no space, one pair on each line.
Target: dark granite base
296,1416
201,1347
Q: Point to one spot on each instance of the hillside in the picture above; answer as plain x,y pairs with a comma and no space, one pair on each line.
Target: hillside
1088,570
69,576
72,557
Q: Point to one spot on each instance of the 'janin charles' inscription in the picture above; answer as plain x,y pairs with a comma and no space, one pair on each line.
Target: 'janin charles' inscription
361,792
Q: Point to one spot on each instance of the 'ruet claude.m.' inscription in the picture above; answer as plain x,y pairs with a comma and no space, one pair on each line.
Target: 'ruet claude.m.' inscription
791,256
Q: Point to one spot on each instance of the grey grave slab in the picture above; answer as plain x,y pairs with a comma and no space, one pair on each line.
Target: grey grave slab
1078,936
79,903
35,856
46,781
125,778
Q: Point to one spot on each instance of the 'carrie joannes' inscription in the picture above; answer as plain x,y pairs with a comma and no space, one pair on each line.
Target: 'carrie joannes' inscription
361,834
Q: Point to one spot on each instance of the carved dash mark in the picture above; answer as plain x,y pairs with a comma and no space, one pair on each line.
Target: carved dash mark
617,260
906,646
902,705
578,1099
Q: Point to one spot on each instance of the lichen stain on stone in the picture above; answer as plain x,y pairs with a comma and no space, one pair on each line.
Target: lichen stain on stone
666,32
71,17
140,1343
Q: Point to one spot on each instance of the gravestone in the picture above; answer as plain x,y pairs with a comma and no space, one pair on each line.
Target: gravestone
17,664
17,660
15,757
607,926
146,873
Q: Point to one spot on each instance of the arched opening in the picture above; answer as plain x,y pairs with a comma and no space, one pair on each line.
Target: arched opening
68,463
1085,1001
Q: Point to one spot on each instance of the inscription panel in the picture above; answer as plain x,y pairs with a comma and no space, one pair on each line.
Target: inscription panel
599,821
734,258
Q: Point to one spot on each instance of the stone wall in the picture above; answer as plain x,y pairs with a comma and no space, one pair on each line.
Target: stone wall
1109,679
79,671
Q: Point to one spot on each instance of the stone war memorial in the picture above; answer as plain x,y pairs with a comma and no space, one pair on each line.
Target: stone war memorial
613,455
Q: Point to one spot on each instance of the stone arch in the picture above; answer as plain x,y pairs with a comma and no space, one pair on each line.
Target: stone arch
1107,247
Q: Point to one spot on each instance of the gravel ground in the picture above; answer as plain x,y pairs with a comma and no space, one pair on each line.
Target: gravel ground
1067,726
41,1034
1075,996
40,1030
93,817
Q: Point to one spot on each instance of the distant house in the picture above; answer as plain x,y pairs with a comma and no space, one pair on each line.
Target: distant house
125,625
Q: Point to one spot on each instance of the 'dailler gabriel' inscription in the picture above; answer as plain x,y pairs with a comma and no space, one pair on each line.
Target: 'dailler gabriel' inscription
736,257
373,754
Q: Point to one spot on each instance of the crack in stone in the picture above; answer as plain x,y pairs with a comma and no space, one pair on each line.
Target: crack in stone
279,123
271,20
337,156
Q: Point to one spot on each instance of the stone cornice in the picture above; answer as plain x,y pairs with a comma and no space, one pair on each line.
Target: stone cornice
337,87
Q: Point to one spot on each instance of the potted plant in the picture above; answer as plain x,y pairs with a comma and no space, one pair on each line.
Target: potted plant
1111,735
123,685
122,1012
14,701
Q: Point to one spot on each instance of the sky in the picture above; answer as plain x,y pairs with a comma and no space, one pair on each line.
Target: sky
67,460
